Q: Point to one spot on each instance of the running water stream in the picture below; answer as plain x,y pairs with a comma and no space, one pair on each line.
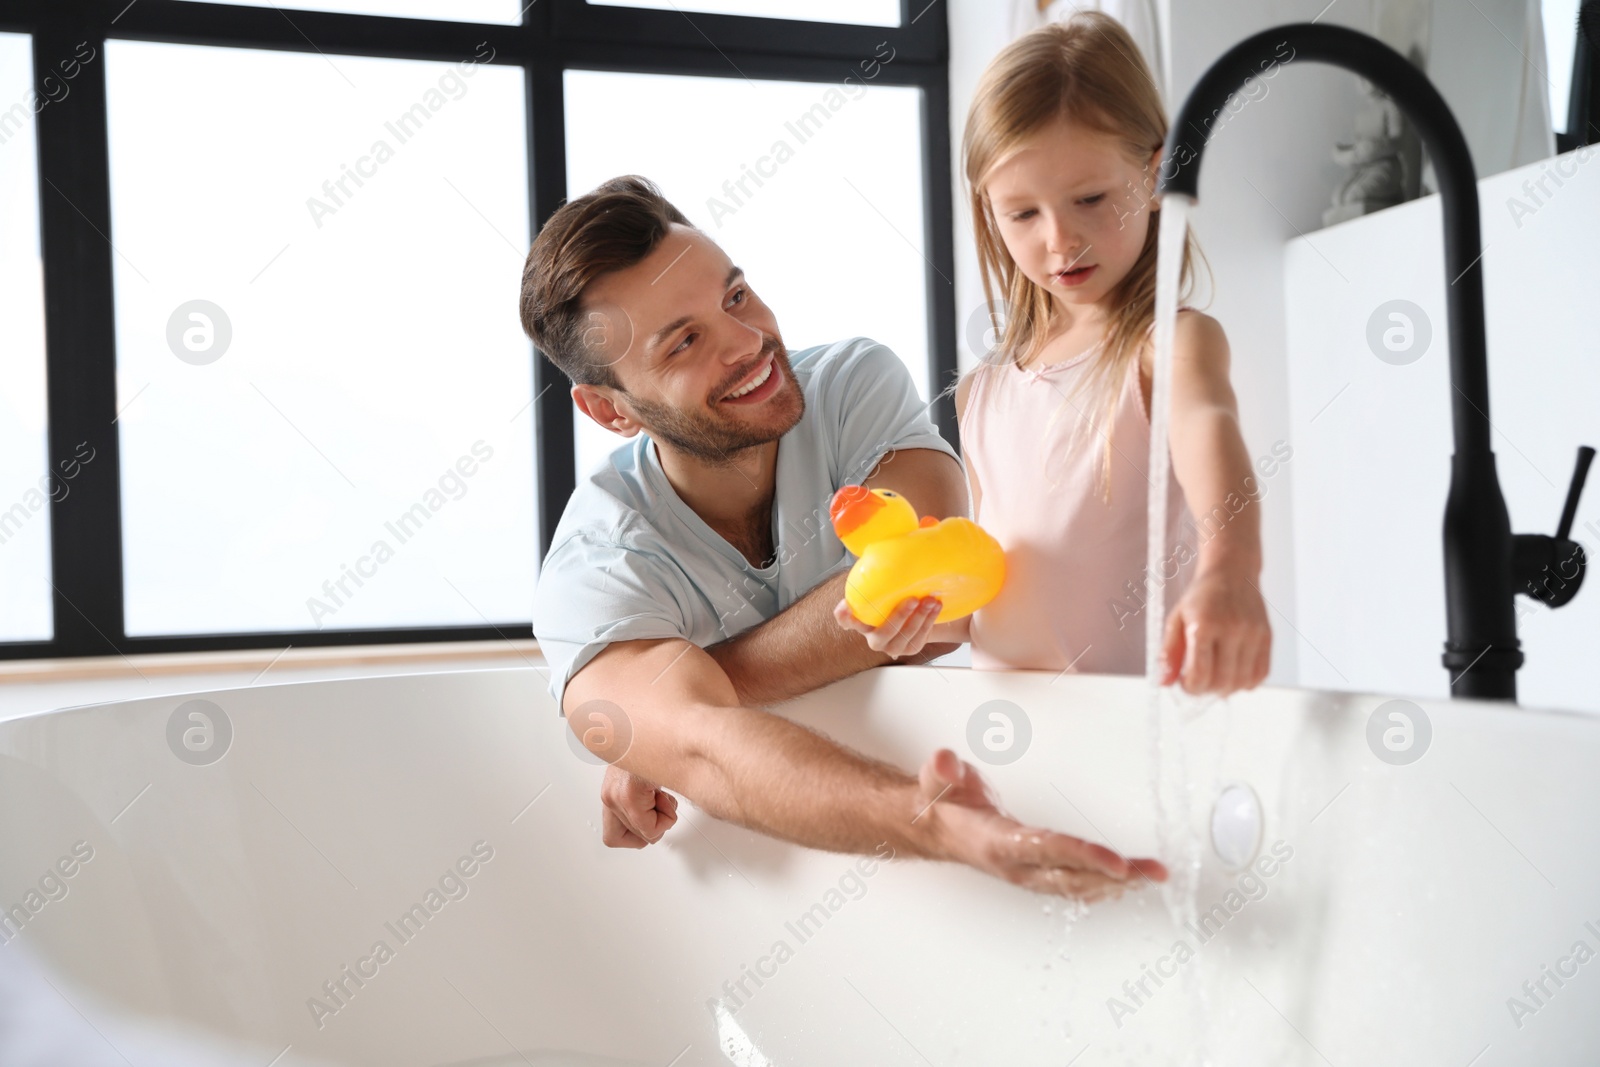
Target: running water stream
1180,844
1174,216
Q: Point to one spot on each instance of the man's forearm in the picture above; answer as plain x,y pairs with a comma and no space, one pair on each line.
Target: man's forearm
772,775
687,731
798,650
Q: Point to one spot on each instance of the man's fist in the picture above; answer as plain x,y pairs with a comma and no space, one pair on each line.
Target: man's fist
634,811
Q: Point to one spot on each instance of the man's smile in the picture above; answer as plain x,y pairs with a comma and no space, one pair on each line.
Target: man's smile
761,384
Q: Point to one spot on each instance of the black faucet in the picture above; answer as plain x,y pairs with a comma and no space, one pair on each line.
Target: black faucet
1484,565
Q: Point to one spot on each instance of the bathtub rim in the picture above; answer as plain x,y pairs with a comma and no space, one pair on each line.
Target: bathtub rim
1300,693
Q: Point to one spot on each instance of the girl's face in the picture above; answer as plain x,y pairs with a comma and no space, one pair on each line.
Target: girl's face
1073,211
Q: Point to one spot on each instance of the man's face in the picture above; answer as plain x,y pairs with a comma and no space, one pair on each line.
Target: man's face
682,331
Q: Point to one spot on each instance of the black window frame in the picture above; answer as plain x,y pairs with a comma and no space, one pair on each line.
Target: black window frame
1582,120
554,36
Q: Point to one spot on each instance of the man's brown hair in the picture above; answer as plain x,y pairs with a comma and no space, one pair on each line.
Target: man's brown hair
610,229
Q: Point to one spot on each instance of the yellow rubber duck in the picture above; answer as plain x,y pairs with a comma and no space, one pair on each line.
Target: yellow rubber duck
953,559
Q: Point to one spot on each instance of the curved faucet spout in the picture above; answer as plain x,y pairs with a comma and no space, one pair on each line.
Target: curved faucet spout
1482,653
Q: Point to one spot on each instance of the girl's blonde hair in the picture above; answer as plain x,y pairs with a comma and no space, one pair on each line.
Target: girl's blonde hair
1087,70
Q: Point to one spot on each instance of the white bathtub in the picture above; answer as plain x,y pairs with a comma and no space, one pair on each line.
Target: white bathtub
1414,903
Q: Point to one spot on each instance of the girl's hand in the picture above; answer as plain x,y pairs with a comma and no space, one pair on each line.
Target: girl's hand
909,627
1218,639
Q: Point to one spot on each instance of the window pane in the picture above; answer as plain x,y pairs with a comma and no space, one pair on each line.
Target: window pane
860,12
508,12
1561,47
326,393
25,485
832,236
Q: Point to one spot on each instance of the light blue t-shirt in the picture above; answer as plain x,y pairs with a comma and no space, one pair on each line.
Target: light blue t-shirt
630,560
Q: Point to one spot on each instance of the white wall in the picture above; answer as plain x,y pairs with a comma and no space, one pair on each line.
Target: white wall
1373,439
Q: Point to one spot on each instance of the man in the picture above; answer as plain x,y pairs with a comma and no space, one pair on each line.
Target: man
694,576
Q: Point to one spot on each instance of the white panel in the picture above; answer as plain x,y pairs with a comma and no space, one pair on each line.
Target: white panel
1373,439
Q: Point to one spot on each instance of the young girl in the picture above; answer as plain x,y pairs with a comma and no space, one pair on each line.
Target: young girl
1062,151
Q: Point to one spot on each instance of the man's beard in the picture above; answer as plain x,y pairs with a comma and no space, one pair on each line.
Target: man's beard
713,440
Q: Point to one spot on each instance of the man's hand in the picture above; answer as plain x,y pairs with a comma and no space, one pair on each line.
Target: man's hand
966,825
909,628
635,812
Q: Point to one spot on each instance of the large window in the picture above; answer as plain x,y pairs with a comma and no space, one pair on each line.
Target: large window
261,308
318,366
1574,88
504,11
26,485
1561,38
814,189
866,12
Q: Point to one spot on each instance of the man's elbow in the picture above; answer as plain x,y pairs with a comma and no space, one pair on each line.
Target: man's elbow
669,746
728,655
683,752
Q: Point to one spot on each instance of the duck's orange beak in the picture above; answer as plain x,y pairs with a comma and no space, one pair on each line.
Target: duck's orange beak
852,506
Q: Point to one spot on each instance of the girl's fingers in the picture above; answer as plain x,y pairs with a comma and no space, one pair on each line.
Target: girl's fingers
1263,662
1249,657
1241,662
1172,648
1198,667
1227,663
1244,663
1225,652
1249,661
1220,658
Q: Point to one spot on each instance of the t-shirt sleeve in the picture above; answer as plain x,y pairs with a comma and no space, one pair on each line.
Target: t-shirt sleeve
873,404
592,592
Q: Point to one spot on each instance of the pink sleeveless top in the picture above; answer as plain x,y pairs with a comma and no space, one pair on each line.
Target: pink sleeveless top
1074,588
